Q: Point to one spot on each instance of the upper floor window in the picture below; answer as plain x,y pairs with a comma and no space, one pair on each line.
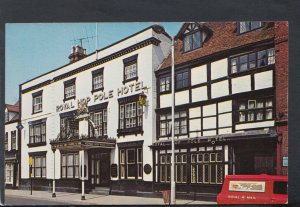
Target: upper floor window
37,102
192,41
252,60
248,26
180,123
69,127
70,165
70,89
130,68
97,79
130,115
99,118
13,139
182,80
255,110
6,141
37,132
165,84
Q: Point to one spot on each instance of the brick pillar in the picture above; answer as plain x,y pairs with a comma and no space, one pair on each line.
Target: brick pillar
281,84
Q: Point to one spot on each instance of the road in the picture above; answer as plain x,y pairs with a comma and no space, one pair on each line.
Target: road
12,200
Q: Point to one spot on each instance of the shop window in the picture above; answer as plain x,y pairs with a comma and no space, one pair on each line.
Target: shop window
99,119
249,26
255,110
37,133
130,69
182,80
165,168
13,139
165,84
181,168
39,166
131,162
252,60
207,168
6,141
70,89
9,173
37,102
70,165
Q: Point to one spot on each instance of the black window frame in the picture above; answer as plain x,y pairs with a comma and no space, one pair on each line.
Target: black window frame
96,73
73,165
35,96
139,117
13,140
6,142
41,136
186,80
40,155
163,83
67,84
137,166
127,62
191,34
254,54
255,110
250,26
179,120
70,123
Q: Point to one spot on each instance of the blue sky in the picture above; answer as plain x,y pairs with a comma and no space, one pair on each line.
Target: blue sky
36,48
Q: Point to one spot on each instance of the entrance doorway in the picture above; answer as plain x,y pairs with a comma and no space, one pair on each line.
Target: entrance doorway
100,169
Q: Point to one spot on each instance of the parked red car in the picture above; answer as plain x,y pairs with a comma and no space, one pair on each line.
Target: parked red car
254,189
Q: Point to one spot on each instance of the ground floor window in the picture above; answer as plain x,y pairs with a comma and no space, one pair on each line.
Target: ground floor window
39,166
207,167
9,173
131,163
165,168
70,165
181,168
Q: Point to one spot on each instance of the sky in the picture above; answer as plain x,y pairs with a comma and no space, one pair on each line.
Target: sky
32,49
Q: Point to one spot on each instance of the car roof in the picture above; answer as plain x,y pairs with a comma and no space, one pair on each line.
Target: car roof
259,177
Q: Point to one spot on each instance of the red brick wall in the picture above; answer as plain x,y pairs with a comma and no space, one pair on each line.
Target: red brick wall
281,82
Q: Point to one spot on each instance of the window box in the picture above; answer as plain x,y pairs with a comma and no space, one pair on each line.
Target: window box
37,144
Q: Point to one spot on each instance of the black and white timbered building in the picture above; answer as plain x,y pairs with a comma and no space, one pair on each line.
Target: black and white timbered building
224,106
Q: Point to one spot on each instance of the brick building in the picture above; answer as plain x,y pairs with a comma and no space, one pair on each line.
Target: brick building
230,104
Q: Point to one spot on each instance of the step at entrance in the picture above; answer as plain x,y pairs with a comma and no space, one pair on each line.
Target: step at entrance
100,191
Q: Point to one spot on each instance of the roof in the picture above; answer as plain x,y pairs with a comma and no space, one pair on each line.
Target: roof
224,36
12,108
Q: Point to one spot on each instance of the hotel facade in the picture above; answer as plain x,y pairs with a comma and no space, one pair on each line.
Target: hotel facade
230,105
107,115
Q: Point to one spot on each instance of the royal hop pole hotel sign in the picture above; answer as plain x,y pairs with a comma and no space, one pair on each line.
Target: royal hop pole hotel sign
105,95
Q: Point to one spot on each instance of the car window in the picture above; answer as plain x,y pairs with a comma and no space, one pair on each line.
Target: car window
280,187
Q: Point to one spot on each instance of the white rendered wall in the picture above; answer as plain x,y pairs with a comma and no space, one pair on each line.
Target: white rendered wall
219,69
241,84
263,80
199,75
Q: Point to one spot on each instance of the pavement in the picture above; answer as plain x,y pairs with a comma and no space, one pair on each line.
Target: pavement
91,199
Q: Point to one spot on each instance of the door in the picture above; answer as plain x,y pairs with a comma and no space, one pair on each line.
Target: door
100,170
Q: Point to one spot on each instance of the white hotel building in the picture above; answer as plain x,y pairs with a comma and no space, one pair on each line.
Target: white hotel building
87,113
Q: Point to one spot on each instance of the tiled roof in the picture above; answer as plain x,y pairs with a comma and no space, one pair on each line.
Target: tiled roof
224,36
12,108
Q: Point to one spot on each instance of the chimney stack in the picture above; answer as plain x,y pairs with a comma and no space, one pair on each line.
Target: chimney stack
77,53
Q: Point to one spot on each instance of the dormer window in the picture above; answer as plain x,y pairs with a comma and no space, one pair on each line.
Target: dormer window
192,41
249,26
